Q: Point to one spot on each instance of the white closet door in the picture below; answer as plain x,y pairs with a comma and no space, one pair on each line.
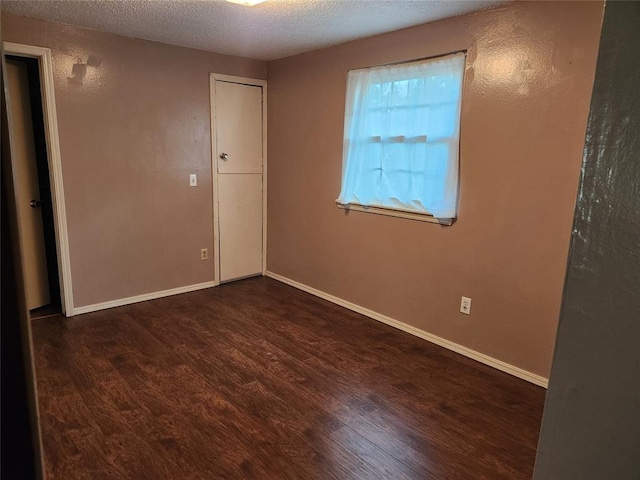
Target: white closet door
238,123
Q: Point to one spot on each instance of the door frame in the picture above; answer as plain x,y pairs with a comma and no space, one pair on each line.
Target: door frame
254,82
45,67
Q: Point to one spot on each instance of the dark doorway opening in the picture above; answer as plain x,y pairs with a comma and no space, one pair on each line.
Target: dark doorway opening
44,186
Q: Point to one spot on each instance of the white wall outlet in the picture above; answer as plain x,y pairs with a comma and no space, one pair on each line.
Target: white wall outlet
193,180
465,306
204,254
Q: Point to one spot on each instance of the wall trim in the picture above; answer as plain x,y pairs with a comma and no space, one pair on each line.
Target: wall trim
462,350
142,298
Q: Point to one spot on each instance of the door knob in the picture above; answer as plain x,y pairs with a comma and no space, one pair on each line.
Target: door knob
224,156
34,203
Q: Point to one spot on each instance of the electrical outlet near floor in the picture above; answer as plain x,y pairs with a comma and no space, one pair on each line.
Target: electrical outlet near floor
204,254
465,306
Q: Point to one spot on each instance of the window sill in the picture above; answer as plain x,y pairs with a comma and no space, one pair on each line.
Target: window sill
391,212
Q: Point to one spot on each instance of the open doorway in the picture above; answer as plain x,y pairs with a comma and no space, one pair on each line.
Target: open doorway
32,187
34,173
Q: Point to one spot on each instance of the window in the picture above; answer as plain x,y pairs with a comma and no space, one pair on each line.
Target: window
401,138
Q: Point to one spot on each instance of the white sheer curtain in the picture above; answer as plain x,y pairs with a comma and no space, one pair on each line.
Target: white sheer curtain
401,136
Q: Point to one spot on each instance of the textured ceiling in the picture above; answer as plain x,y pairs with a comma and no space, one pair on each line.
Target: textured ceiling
273,29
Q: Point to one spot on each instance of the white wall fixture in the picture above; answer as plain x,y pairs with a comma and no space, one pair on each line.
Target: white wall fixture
246,3
465,305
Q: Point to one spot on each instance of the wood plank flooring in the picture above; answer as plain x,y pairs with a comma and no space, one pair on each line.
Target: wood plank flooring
256,379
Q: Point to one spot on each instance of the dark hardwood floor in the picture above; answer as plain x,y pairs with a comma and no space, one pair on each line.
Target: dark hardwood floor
256,379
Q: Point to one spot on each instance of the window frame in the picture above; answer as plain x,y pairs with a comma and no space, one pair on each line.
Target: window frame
407,213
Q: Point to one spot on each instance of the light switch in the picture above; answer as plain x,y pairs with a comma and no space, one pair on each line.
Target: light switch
193,180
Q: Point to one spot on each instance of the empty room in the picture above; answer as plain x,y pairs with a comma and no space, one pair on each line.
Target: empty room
320,239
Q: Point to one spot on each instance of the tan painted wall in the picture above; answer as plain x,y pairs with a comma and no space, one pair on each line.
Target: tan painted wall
133,120
525,104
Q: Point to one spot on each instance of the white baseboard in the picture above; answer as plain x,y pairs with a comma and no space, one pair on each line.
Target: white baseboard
141,298
467,352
